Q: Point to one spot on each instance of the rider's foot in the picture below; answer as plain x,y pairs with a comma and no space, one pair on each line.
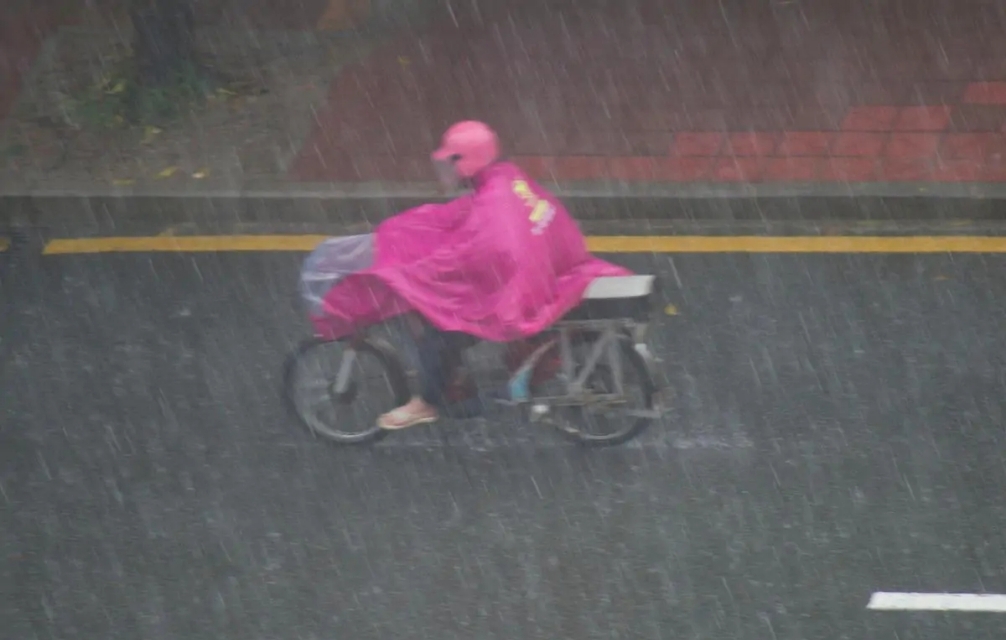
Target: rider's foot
417,411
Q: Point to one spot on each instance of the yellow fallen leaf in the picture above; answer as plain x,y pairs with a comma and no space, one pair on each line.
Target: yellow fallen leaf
404,61
119,87
670,310
150,132
225,92
202,173
168,172
121,182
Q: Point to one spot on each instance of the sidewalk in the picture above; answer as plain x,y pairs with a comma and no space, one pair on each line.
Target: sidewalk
595,95
777,91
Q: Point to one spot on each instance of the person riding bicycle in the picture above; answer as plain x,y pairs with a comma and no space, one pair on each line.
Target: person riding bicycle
503,262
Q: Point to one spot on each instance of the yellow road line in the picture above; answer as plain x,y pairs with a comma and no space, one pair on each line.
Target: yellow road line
181,244
600,244
797,244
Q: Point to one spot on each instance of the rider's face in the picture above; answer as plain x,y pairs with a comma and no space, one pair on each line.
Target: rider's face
447,174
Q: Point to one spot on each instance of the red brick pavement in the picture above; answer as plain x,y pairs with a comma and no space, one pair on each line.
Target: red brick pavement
649,91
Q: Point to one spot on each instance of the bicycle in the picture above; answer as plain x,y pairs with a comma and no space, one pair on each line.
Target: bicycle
600,346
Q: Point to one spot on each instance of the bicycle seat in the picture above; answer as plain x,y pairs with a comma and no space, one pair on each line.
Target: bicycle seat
616,297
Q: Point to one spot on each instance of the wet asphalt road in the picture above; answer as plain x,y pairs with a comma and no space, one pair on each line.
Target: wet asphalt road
837,429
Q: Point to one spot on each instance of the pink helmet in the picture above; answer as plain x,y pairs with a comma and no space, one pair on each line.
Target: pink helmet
470,146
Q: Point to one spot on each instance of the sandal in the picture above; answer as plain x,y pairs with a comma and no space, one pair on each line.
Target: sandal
403,418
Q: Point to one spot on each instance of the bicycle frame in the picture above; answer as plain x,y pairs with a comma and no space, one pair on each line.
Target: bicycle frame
605,348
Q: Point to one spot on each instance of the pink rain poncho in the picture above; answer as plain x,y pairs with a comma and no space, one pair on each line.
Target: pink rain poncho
502,263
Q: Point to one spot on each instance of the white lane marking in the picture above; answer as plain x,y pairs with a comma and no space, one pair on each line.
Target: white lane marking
985,602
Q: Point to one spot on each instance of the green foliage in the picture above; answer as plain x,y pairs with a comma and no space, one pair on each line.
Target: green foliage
122,97
15,150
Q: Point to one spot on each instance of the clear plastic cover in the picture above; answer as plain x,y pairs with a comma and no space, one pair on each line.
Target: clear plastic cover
330,262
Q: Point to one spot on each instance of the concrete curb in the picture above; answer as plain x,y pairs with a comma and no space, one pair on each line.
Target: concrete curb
271,187
71,212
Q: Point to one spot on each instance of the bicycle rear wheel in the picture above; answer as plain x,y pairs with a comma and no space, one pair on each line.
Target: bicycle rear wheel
602,422
376,384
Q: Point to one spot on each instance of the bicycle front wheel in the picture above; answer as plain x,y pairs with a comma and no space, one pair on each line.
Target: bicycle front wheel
345,411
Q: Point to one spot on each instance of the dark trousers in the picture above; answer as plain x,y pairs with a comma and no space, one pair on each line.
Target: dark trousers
440,356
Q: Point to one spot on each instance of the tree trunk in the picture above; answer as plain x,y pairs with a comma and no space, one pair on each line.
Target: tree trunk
163,43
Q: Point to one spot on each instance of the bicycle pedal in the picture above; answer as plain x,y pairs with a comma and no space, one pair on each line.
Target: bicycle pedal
466,410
